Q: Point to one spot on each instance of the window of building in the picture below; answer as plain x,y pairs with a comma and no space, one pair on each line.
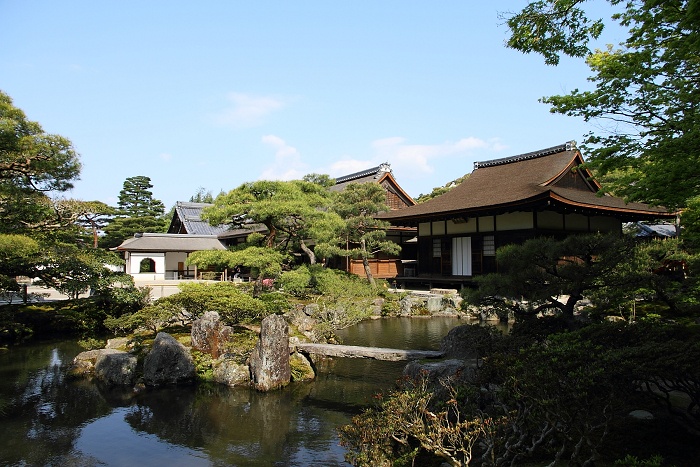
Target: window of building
147,265
437,248
489,245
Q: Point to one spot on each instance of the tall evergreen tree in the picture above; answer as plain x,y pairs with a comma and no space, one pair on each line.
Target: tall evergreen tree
137,212
39,235
136,199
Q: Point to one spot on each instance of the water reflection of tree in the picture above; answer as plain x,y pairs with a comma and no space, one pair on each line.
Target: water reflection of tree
233,425
44,415
227,422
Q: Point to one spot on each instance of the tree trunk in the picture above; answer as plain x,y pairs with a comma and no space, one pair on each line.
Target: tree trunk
270,240
257,286
309,252
568,310
94,235
365,262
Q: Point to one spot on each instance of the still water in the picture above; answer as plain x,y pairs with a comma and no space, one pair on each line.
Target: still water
46,420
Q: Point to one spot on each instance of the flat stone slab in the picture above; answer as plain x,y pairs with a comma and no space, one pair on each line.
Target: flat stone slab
377,353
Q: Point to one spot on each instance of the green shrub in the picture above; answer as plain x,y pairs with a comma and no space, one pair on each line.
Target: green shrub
203,364
296,282
275,303
233,305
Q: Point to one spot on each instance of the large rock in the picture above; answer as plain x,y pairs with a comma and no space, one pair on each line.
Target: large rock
458,343
440,375
168,362
434,371
302,368
231,373
84,362
210,335
269,361
311,309
117,343
302,321
116,368
406,306
434,304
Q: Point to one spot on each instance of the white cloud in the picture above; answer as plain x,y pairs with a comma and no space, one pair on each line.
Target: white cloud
414,160
347,166
165,157
287,164
247,110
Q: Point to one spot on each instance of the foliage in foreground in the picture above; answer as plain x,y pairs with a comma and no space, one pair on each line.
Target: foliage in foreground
85,317
559,399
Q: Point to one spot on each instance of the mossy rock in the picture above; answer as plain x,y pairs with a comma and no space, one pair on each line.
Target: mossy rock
302,369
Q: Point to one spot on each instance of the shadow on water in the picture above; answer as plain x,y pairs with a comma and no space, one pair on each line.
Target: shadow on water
49,420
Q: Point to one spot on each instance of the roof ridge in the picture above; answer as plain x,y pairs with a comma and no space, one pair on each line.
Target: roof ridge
191,204
529,155
363,173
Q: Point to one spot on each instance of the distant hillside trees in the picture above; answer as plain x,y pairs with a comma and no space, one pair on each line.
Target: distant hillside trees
440,190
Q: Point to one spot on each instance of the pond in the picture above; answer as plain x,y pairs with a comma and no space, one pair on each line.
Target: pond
47,420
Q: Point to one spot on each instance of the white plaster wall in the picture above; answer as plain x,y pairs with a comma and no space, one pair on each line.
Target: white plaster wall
424,229
550,220
463,227
134,262
486,224
605,224
174,257
576,222
514,221
439,228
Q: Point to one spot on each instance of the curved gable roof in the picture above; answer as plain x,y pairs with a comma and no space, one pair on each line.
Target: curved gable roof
509,182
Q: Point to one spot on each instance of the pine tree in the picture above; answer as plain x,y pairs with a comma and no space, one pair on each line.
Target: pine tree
136,200
360,231
137,212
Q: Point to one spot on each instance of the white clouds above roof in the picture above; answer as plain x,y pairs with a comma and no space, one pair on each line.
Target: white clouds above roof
287,165
412,161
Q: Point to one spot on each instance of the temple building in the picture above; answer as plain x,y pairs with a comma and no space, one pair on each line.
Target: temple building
510,200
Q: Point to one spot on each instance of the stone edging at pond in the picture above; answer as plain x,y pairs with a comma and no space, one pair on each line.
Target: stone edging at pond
170,362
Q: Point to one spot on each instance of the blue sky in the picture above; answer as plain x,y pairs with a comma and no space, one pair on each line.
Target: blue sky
213,94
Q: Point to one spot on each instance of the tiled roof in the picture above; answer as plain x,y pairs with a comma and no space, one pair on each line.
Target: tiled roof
363,173
506,183
190,216
363,176
170,242
656,230
526,156
244,232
